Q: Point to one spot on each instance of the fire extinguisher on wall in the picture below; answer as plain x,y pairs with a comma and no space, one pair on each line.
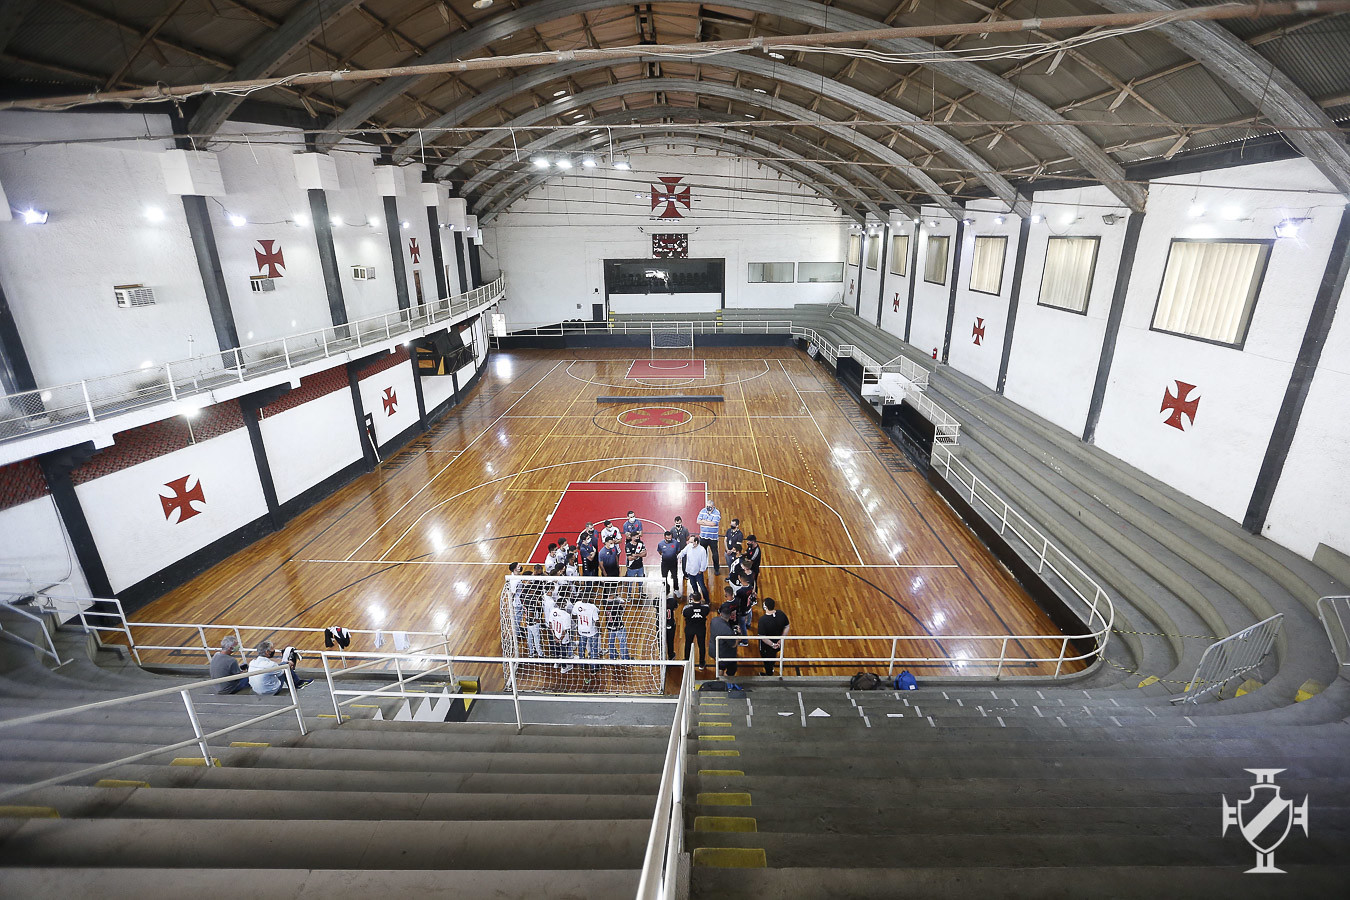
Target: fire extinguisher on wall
935,353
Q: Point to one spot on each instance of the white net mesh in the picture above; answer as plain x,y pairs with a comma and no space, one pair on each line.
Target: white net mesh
675,336
569,629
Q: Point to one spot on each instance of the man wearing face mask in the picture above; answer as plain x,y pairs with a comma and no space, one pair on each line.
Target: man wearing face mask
709,533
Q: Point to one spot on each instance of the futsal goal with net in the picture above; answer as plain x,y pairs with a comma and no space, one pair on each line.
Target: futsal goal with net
576,635
672,340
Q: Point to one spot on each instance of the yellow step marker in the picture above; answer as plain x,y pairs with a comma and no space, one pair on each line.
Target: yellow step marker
119,782
1152,679
703,724
720,773
730,858
712,712
717,737
28,812
719,753
739,824
249,744
713,703
365,706
735,799
1251,684
1308,690
194,761
329,716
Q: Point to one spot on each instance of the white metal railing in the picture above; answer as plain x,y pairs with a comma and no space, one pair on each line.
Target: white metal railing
438,662
49,650
1335,613
953,655
59,406
1097,611
1231,657
665,841
644,327
208,635
199,737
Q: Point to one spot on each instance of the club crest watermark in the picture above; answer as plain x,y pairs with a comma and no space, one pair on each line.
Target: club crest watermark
1265,819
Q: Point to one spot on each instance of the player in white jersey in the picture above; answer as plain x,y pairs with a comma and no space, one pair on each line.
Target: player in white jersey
560,630
588,628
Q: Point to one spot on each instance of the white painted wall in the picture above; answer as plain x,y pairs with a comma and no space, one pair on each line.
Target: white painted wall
1054,357
436,389
399,379
990,311
1216,461
134,538
1312,501
552,243
412,211
59,276
929,324
892,307
35,538
310,442
671,303
361,239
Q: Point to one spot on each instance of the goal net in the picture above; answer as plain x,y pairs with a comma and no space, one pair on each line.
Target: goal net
673,339
573,634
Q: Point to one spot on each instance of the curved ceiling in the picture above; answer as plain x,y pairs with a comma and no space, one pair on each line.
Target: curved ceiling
977,115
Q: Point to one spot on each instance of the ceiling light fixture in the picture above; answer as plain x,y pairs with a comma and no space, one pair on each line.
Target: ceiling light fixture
1289,228
760,91
564,164
406,224
540,162
34,216
154,214
481,4
237,221
1036,219
622,165
561,93
998,220
588,162
774,54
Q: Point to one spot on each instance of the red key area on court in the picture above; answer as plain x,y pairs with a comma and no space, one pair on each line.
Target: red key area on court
656,503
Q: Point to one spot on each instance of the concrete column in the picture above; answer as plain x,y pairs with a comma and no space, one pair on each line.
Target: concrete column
395,232
16,374
1132,228
1019,264
951,295
323,233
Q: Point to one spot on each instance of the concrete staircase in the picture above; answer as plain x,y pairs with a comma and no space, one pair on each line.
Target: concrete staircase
997,791
469,809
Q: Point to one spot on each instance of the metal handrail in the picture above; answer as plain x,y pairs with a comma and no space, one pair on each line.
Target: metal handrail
1231,657
49,650
1338,606
24,413
665,840
200,738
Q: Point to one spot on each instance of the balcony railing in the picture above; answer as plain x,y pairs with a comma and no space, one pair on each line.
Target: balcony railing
186,380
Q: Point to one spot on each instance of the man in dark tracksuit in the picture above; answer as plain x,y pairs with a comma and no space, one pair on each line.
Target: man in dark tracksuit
669,551
696,613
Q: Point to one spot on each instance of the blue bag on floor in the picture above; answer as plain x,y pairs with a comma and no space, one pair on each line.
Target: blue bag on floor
906,682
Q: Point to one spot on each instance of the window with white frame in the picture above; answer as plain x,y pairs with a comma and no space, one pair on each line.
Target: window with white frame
986,263
1066,282
770,273
873,253
820,272
1209,289
935,259
900,254
854,248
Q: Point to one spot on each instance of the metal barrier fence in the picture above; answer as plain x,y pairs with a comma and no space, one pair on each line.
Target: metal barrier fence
1231,657
665,841
1335,613
59,406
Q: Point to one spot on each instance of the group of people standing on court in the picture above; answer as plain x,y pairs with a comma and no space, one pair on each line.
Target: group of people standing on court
620,551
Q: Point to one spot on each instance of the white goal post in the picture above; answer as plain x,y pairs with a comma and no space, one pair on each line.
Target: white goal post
673,336
575,634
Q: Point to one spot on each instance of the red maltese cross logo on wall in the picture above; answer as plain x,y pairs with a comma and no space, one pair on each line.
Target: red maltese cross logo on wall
390,401
669,194
978,331
414,250
895,304
270,260
182,500
1180,405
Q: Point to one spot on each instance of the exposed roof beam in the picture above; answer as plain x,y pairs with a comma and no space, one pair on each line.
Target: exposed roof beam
844,132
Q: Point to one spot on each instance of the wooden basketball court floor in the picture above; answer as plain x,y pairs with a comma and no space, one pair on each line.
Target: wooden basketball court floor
856,543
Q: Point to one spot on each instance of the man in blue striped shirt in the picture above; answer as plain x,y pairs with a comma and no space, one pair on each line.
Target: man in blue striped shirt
709,530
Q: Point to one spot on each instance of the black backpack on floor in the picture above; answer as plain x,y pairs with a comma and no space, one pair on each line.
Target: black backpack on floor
864,681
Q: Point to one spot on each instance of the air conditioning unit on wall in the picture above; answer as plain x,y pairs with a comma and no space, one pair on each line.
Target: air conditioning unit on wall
363,273
132,295
261,283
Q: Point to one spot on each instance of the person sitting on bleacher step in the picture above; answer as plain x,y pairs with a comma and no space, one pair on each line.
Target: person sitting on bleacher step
223,663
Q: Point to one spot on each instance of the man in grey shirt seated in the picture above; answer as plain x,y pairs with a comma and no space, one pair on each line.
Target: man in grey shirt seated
223,663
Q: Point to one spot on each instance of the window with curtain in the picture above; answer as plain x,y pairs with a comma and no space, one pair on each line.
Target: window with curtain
854,248
873,253
900,254
986,264
819,272
1209,289
935,259
1066,282
770,273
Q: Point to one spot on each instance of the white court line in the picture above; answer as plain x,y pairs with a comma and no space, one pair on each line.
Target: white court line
648,465
629,386
578,462
452,462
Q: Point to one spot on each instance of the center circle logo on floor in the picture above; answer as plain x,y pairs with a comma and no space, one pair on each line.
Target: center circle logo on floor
654,417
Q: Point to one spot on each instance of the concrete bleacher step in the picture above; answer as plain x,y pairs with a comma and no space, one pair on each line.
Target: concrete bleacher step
242,803
328,844
312,884
1136,882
